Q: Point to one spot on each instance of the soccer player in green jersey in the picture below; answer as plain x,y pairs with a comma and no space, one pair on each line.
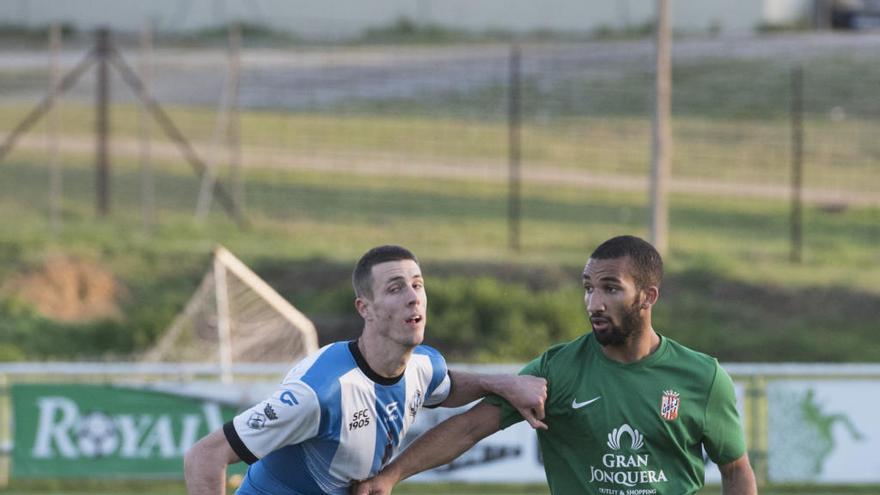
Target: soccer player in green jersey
629,410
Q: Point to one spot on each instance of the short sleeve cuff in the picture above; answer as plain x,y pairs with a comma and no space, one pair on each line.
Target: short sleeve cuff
237,445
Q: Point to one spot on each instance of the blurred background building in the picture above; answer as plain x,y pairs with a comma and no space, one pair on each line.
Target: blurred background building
349,17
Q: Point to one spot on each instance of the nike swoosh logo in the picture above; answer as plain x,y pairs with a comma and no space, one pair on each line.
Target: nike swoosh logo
577,405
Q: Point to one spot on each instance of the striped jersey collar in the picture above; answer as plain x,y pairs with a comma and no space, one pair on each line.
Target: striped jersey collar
362,364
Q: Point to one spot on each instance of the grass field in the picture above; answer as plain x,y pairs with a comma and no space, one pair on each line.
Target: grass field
313,213
838,154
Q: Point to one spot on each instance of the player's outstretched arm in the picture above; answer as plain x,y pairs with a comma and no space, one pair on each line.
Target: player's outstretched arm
524,392
436,447
737,478
204,465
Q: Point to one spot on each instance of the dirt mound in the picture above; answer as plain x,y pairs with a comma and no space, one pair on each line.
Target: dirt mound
68,289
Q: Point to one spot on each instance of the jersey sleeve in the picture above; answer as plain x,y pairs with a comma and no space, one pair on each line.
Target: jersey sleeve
509,414
441,383
723,434
291,415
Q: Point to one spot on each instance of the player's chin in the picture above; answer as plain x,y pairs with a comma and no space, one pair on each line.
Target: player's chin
417,336
604,335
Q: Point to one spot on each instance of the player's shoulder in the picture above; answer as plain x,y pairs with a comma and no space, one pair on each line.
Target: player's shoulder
559,354
564,349
332,356
429,360
685,352
426,350
322,369
699,362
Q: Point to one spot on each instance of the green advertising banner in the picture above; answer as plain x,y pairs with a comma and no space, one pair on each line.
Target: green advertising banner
104,431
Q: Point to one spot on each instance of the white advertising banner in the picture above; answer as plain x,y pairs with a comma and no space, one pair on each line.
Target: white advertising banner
820,424
823,431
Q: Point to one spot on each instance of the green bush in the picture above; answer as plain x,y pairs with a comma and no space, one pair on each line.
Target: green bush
485,313
484,319
24,334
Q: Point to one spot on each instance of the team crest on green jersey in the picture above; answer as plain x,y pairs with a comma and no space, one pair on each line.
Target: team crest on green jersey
669,405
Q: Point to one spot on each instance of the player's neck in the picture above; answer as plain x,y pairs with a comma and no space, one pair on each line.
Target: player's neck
387,359
642,346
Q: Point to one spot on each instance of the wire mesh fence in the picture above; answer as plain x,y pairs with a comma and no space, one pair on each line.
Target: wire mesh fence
423,137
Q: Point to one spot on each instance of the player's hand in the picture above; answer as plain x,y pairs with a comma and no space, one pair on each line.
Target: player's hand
527,394
378,485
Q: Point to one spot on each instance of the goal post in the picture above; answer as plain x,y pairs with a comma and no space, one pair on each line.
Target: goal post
234,316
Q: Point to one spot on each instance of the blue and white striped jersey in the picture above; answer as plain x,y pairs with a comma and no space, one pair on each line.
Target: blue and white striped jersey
333,420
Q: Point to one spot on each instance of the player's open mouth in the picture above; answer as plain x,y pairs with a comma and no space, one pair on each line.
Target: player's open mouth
600,324
414,319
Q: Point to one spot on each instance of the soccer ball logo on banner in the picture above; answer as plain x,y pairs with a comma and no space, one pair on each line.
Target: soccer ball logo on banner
96,435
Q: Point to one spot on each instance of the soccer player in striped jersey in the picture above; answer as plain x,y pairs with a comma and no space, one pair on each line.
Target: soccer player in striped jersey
629,410
340,414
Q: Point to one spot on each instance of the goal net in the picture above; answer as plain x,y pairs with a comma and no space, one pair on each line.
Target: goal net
235,317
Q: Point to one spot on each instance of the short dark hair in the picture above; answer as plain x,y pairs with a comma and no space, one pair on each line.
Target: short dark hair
362,278
646,261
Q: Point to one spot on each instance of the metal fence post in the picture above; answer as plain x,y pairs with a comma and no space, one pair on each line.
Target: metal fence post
102,164
513,136
756,427
662,143
233,129
797,148
53,130
148,192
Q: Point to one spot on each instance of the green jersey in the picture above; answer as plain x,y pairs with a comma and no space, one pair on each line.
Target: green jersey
632,429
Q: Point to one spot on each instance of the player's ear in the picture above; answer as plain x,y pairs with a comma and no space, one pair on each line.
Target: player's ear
362,306
650,295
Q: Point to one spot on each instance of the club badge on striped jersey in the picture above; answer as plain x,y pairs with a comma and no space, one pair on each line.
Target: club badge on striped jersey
669,405
416,403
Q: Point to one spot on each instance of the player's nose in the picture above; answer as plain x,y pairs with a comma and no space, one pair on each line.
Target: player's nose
412,296
595,304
